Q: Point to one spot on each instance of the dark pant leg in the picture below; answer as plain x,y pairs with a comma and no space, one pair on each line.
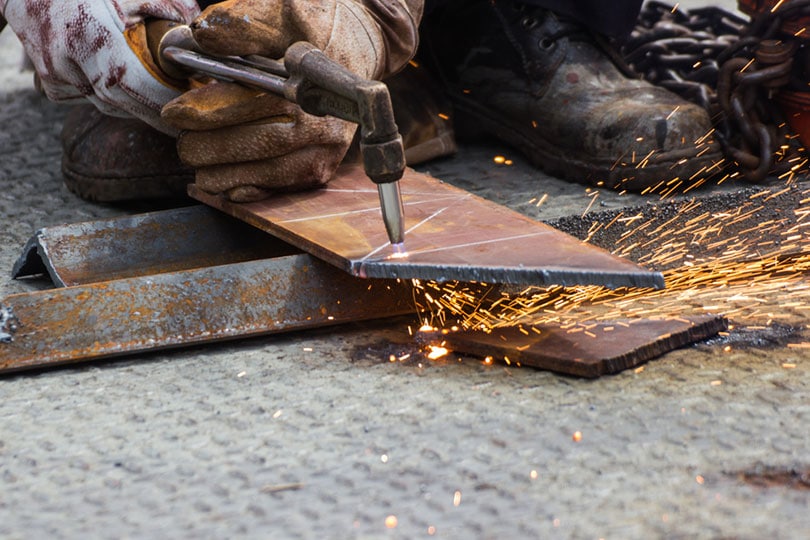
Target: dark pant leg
609,17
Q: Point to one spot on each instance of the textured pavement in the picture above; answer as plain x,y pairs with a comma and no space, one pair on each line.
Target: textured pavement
317,435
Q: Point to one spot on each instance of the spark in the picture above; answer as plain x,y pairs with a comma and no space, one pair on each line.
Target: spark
436,352
670,115
542,200
746,66
732,262
593,196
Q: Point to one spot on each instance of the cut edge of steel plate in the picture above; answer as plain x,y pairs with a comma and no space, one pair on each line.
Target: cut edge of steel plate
175,309
565,277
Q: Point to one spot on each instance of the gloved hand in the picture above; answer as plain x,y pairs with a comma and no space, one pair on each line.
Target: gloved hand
246,144
96,49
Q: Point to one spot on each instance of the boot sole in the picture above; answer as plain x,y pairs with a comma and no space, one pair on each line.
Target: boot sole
683,164
110,189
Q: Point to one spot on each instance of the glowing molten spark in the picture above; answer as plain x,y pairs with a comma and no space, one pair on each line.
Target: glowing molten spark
731,262
436,352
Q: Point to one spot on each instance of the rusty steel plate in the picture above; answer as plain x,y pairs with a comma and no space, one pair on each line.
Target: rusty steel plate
153,312
450,234
585,350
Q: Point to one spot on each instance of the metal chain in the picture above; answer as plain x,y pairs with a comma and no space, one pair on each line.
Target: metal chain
730,66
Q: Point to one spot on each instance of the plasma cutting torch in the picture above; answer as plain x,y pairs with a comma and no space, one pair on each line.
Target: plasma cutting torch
320,86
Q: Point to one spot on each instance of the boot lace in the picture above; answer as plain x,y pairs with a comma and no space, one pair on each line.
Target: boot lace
574,31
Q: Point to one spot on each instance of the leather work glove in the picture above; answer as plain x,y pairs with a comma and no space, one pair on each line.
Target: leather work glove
96,49
247,144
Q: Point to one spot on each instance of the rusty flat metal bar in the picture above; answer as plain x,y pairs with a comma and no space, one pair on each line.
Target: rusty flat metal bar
450,235
585,350
144,244
153,312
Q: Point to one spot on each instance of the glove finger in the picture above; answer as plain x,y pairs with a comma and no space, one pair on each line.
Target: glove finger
274,137
234,28
222,104
84,49
307,168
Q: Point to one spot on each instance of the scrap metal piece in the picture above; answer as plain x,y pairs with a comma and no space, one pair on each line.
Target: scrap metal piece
585,350
451,235
149,313
152,243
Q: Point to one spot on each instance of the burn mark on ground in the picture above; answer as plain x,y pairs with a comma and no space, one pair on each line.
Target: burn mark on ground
770,337
766,476
672,213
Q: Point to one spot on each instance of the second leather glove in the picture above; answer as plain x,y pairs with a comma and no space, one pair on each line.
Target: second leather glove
246,144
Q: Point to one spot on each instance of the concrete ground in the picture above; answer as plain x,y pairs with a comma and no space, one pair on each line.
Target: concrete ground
317,435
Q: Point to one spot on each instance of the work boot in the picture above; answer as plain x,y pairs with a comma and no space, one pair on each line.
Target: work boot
550,88
108,159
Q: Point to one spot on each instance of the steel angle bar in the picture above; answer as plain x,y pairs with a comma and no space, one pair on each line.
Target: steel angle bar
450,235
147,313
144,244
